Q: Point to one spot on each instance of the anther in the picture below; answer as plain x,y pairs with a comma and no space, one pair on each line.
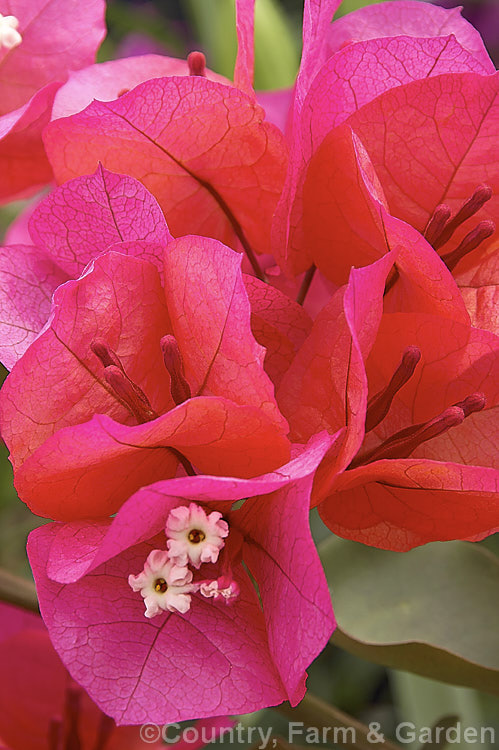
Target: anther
160,585
472,403
197,64
403,443
107,356
130,394
480,196
196,536
9,35
481,232
379,405
179,387
437,222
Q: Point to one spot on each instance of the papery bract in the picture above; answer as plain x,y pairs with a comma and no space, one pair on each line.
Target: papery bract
214,659
214,166
57,37
423,310
70,432
407,18
70,227
34,692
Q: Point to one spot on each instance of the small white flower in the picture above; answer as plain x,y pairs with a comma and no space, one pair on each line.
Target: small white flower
9,35
194,537
163,584
220,589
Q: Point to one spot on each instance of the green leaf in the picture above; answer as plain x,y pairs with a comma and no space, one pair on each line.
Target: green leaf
276,43
432,611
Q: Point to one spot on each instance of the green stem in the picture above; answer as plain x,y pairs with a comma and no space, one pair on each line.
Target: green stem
314,712
18,591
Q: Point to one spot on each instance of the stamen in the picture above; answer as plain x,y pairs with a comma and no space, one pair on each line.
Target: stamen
107,356
379,405
197,64
403,443
55,734
196,536
160,585
9,35
179,387
437,222
106,728
481,195
472,403
474,238
72,713
130,394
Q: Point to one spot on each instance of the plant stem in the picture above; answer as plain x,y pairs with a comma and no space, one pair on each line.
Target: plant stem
316,713
18,591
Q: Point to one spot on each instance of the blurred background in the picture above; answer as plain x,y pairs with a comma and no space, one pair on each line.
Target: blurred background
176,27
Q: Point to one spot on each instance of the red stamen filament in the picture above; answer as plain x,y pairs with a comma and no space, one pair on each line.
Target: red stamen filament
179,387
130,394
436,224
72,712
379,405
480,196
105,730
197,64
474,238
404,442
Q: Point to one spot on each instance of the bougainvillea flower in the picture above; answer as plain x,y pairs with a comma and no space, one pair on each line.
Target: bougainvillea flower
40,703
234,652
362,73
40,42
128,377
70,227
418,463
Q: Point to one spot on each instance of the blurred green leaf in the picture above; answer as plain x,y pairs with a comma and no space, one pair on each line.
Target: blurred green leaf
276,43
347,6
432,611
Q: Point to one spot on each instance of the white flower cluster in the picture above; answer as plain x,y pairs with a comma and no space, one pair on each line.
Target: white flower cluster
193,538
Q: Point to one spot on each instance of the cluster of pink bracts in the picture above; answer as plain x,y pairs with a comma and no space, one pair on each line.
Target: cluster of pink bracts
150,375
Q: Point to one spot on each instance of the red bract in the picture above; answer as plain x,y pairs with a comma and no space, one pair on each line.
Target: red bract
39,702
418,463
210,658
55,37
90,413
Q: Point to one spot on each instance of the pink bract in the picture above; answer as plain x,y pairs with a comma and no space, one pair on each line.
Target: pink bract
214,659
215,167
57,37
70,227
